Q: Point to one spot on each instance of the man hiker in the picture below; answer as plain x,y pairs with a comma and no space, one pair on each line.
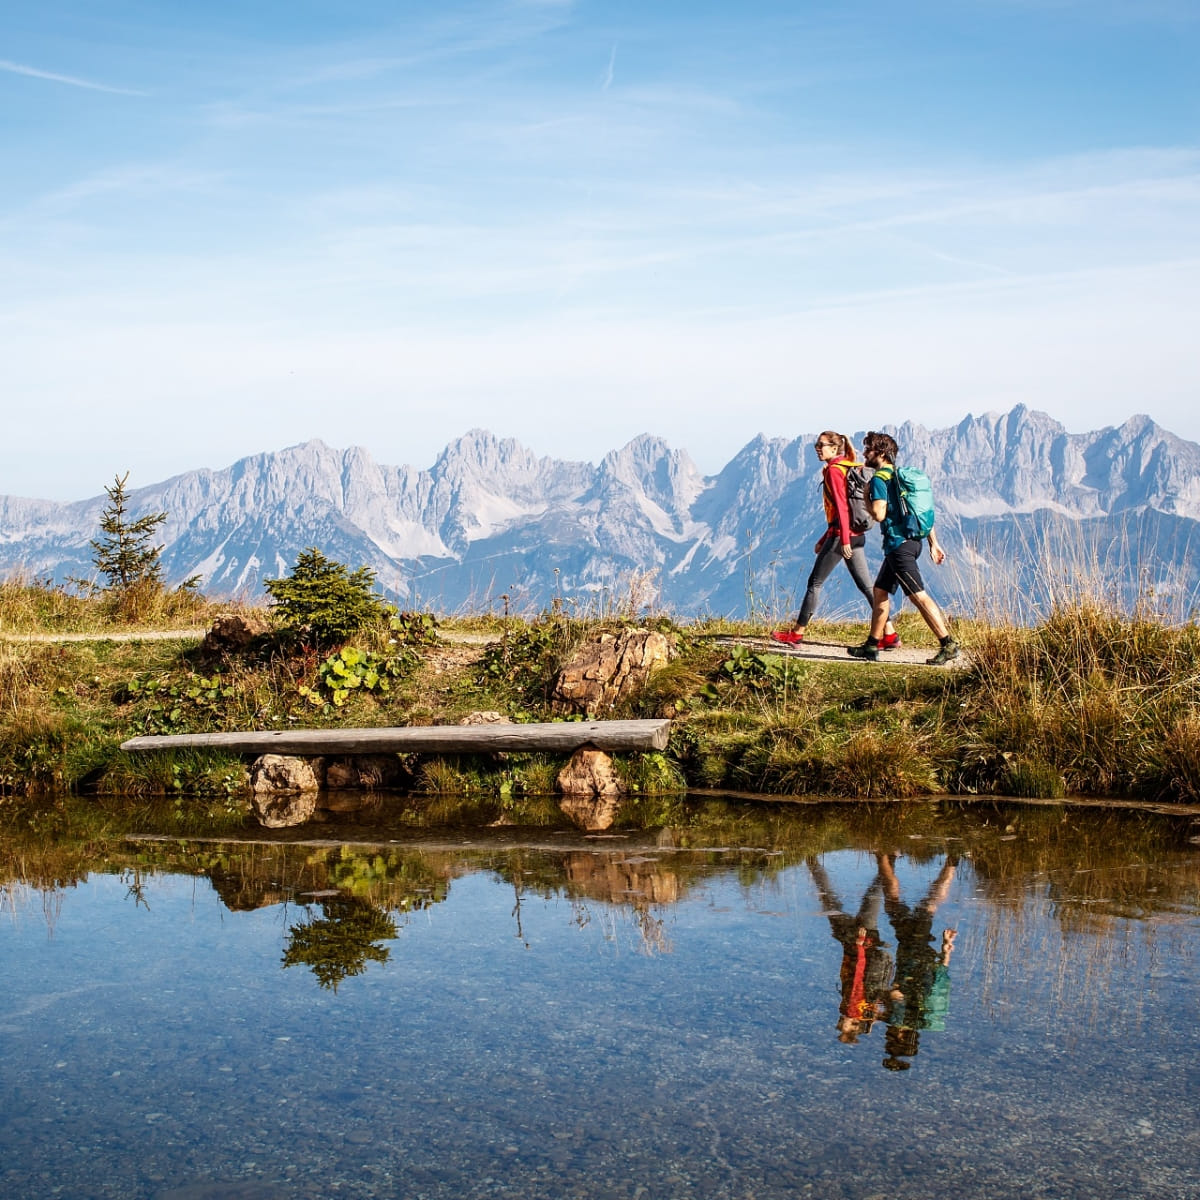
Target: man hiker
902,538
920,993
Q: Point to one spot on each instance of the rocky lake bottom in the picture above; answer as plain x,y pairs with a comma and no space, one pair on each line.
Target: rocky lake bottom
831,1000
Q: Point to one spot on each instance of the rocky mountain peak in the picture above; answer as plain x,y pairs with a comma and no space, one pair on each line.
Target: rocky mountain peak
645,507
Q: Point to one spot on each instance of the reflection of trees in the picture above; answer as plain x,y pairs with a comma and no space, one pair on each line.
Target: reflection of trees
399,879
340,943
1090,865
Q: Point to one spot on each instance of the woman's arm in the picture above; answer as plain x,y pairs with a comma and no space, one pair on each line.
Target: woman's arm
835,482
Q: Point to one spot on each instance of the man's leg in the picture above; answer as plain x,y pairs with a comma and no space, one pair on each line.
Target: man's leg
881,603
880,608
928,608
908,574
857,563
887,873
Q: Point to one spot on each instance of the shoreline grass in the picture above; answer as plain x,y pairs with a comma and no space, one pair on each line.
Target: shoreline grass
1085,701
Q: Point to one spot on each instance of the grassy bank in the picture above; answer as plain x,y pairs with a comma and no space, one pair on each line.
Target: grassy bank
1086,702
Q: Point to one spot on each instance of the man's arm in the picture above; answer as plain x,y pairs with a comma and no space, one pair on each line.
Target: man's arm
935,548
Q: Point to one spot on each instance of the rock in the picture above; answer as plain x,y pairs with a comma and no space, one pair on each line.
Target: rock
233,632
281,810
593,813
485,717
608,670
341,775
591,789
286,773
367,771
283,789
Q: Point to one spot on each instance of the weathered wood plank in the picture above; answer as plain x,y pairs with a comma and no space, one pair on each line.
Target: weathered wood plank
423,739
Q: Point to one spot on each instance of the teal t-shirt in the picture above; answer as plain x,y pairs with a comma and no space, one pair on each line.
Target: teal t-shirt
882,488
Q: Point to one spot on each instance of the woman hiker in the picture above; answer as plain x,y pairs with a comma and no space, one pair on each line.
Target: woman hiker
839,543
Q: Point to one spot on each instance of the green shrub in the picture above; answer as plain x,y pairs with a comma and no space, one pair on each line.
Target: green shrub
526,660
325,601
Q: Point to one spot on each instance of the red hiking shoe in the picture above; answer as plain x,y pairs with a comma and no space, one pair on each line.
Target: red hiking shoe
787,636
890,641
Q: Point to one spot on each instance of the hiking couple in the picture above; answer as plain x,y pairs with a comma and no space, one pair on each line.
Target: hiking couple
848,505
913,994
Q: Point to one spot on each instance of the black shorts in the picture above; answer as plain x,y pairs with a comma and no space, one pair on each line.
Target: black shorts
900,569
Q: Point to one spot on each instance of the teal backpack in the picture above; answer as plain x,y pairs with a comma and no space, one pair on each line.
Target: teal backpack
916,501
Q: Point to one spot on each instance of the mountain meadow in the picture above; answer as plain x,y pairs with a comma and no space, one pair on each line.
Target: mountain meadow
1086,702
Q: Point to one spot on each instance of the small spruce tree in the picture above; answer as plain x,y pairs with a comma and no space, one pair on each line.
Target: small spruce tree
326,600
126,555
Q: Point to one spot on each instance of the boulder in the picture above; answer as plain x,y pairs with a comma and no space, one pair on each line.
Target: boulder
233,632
283,789
282,810
589,773
592,813
286,773
485,717
364,771
608,670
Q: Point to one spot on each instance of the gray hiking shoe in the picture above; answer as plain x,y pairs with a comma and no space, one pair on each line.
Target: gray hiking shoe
870,653
947,653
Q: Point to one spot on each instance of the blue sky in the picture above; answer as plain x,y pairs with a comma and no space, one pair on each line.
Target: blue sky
227,228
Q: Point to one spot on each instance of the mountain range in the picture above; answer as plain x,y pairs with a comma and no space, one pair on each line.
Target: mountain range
1024,509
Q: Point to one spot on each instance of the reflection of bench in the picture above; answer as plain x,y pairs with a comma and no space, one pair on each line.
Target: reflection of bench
564,736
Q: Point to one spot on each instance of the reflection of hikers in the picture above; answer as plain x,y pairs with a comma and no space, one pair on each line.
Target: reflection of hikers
920,994
901,549
866,965
840,542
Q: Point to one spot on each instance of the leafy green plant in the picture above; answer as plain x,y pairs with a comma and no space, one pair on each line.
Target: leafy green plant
651,774
170,705
765,674
325,601
351,671
525,660
415,628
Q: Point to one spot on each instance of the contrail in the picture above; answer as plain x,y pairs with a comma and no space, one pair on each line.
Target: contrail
608,75
34,73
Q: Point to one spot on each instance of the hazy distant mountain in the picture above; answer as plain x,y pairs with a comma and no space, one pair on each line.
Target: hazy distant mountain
1021,505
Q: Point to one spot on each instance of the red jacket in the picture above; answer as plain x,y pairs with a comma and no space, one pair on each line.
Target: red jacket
837,507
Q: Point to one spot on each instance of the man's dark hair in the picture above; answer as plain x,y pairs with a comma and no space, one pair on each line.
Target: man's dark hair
883,444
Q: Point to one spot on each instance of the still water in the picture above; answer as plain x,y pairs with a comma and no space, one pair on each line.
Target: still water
826,1001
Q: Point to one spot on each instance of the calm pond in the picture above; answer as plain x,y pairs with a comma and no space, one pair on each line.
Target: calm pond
688,1009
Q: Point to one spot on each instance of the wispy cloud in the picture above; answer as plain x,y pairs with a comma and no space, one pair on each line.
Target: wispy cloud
612,66
70,80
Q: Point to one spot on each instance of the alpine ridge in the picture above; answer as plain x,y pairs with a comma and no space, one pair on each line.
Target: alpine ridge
490,519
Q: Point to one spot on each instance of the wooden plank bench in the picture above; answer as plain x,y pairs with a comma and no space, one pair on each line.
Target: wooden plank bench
558,736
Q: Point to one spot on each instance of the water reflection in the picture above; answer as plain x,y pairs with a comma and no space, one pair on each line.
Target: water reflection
866,968
688,1008
341,941
919,996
